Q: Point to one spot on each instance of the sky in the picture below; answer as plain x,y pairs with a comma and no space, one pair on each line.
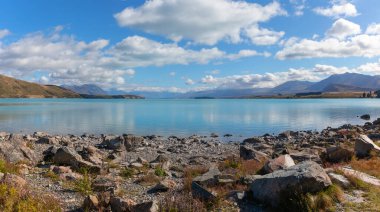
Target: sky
187,45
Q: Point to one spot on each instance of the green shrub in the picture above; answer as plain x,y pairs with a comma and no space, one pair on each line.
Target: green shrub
159,172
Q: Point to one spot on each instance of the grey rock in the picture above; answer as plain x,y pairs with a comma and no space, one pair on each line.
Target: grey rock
304,178
68,156
279,163
338,154
15,150
364,145
248,153
151,206
209,178
133,142
339,179
200,192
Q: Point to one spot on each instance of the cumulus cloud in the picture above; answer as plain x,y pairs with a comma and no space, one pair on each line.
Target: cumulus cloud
338,9
263,36
343,28
4,32
373,29
343,40
205,22
66,60
266,80
299,6
189,81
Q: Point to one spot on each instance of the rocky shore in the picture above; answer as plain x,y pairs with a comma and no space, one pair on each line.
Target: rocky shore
291,171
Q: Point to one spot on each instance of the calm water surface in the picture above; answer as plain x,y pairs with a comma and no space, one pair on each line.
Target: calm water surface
180,117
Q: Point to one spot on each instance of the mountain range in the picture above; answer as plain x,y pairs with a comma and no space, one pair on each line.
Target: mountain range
347,82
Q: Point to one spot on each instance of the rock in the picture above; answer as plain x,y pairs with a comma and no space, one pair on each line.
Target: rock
365,117
136,165
113,142
338,154
306,177
163,186
91,202
362,176
201,193
15,150
104,184
121,205
282,162
208,178
339,179
376,122
163,161
68,156
151,206
248,154
254,140
132,142
364,145
305,155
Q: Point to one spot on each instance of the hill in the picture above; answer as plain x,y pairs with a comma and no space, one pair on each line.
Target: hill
292,87
344,88
13,88
349,79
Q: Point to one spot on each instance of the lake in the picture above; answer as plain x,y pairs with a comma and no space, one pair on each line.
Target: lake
240,117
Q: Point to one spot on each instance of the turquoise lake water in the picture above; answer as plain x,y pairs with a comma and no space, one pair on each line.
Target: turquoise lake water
181,117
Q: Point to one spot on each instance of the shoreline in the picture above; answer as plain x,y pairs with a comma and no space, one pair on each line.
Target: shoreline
143,169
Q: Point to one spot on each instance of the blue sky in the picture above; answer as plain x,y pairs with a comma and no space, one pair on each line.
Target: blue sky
183,45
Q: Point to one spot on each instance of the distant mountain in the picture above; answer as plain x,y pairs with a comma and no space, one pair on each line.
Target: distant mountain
157,94
349,79
344,88
226,93
88,89
13,88
292,87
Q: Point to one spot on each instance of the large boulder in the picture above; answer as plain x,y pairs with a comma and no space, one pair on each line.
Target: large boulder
364,145
338,154
248,153
306,177
132,142
15,150
68,156
113,142
208,178
279,163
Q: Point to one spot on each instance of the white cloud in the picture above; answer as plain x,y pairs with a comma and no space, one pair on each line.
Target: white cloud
342,40
263,36
205,22
338,9
4,32
172,74
266,80
343,28
69,61
299,6
189,82
373,29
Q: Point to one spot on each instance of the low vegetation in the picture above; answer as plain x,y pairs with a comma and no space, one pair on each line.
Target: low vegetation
370,166
84,185
13,199
190,173
6,167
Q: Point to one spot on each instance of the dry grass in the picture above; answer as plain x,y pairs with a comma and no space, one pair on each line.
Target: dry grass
370,166
6,167
176,202
12,199
239,167
190,173
149,179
